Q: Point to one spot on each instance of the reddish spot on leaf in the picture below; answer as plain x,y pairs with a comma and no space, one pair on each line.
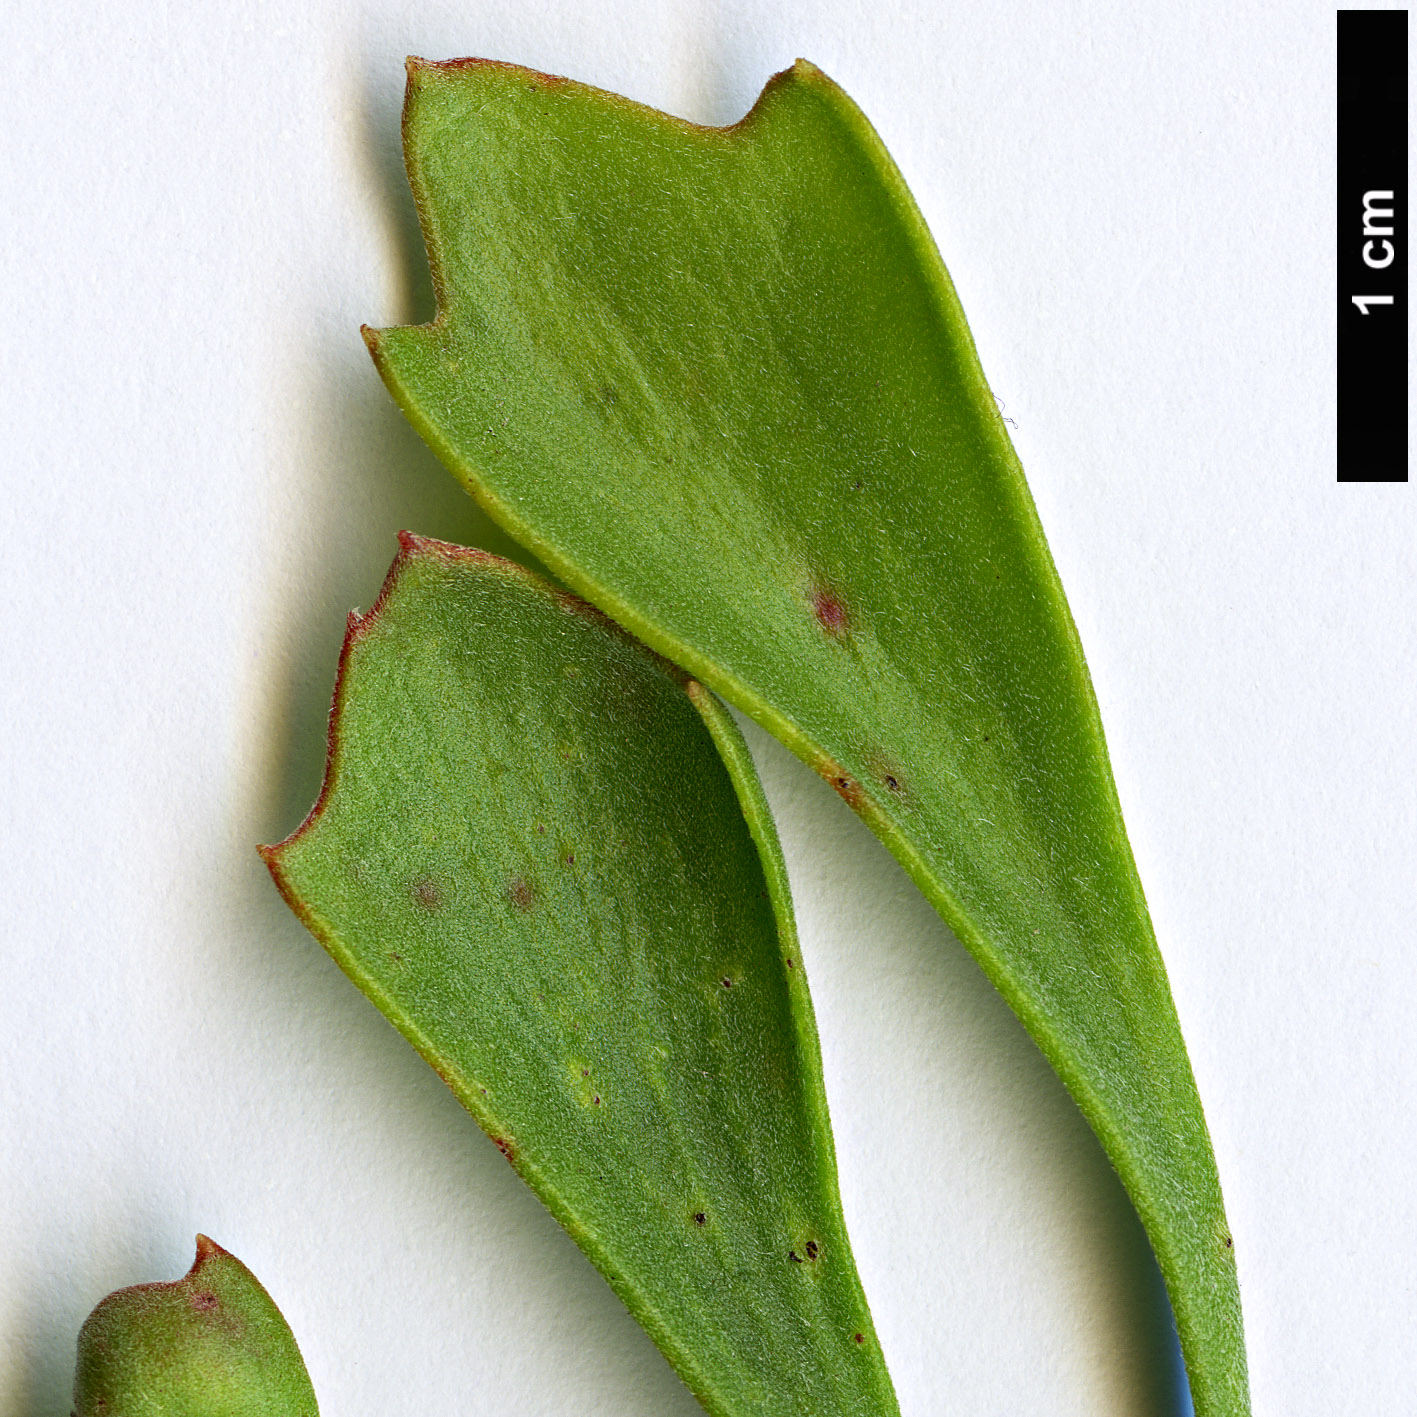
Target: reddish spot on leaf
505,1147
519,893
827,606
847,788
204,1301
427,894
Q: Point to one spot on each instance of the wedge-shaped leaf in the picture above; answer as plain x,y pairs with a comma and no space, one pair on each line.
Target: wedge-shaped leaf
719,381
544,854
211,1344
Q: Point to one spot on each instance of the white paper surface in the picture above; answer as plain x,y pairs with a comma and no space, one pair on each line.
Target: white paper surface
198,207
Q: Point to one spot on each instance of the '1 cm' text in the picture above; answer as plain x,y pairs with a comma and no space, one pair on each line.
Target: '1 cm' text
1377,254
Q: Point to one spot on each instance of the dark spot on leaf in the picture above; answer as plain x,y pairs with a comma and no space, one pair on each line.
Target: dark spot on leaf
789,964
847,788
505,1147
571,858
596,1099
395,956
885,770
700,1218
827,606
812,1249
1229,1243
427,894
519,893
860,1338
794,1257
856,486
204,1301
540,830
585,1072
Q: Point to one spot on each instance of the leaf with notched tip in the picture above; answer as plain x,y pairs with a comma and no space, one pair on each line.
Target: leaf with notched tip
544,854
719,381
211,1344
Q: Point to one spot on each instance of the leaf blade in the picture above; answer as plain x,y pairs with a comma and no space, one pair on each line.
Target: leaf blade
720,382
531,857
211,1344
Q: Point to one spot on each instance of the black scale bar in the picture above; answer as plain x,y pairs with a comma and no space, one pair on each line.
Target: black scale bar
1372,245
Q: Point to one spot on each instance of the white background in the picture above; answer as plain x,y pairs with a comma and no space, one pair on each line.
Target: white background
202,474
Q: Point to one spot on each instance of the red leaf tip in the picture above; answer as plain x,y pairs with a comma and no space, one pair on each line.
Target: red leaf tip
207,1248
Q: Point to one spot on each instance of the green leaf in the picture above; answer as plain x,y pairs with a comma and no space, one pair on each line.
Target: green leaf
211,1344
545,855
718,380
